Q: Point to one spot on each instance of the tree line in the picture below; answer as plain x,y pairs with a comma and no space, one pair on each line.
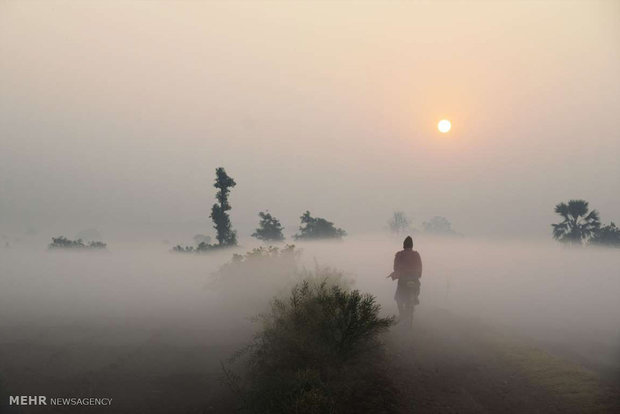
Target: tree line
269,227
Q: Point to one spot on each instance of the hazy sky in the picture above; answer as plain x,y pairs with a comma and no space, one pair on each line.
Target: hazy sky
115,114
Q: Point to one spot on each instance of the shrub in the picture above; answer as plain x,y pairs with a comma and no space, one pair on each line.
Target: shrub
318,351
258,271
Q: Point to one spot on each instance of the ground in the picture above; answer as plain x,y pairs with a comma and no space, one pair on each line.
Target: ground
446,364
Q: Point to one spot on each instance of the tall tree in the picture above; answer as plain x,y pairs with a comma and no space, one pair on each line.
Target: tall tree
226,236
399,223
318,228
269,228
579,224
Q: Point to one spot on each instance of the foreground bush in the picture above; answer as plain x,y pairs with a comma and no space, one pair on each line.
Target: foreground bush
64,243
319,351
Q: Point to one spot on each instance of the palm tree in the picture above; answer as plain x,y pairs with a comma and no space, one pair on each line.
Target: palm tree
579,223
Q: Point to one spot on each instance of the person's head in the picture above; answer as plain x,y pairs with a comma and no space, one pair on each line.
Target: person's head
408,243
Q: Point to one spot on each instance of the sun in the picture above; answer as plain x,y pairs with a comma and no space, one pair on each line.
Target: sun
444,126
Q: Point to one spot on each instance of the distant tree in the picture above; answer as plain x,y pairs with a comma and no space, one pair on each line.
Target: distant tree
579,222
399,223
183,249
226,236
318,228
269,228
438,225
63,243
607,236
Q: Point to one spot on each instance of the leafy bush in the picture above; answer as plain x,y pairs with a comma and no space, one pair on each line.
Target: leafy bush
319,351
63,243
259,270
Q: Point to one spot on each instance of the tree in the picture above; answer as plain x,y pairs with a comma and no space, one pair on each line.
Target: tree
399,223
318,228
63,243
438,225
579,222
269,228
607,236
226,236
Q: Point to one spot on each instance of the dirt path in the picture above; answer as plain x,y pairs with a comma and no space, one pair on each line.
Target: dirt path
454,365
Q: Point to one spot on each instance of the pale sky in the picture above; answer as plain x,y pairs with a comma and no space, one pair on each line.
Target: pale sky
115,114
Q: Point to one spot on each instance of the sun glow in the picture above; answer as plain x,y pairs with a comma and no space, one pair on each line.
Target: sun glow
444,126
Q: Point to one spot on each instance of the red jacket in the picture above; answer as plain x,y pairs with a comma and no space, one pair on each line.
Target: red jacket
407,265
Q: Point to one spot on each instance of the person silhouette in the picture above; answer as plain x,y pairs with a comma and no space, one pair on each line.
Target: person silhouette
408,271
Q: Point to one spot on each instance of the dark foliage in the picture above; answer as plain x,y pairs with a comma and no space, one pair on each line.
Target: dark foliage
607,236
183,249
226,236
319,351
578,224
269,228
317,228
63,243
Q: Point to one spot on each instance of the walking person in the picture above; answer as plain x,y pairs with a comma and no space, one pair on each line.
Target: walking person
408,271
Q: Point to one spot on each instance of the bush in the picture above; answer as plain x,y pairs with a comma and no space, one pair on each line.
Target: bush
319,351
63,243
257,274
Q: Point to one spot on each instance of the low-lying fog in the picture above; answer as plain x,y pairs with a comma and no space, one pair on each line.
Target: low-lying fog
566,298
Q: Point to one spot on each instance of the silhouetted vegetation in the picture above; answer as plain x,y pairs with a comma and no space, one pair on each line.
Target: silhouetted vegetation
226,236
63,243
578,224
183,249
318,351
439,226
317,228
257,274
399,223
269,228
607,236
